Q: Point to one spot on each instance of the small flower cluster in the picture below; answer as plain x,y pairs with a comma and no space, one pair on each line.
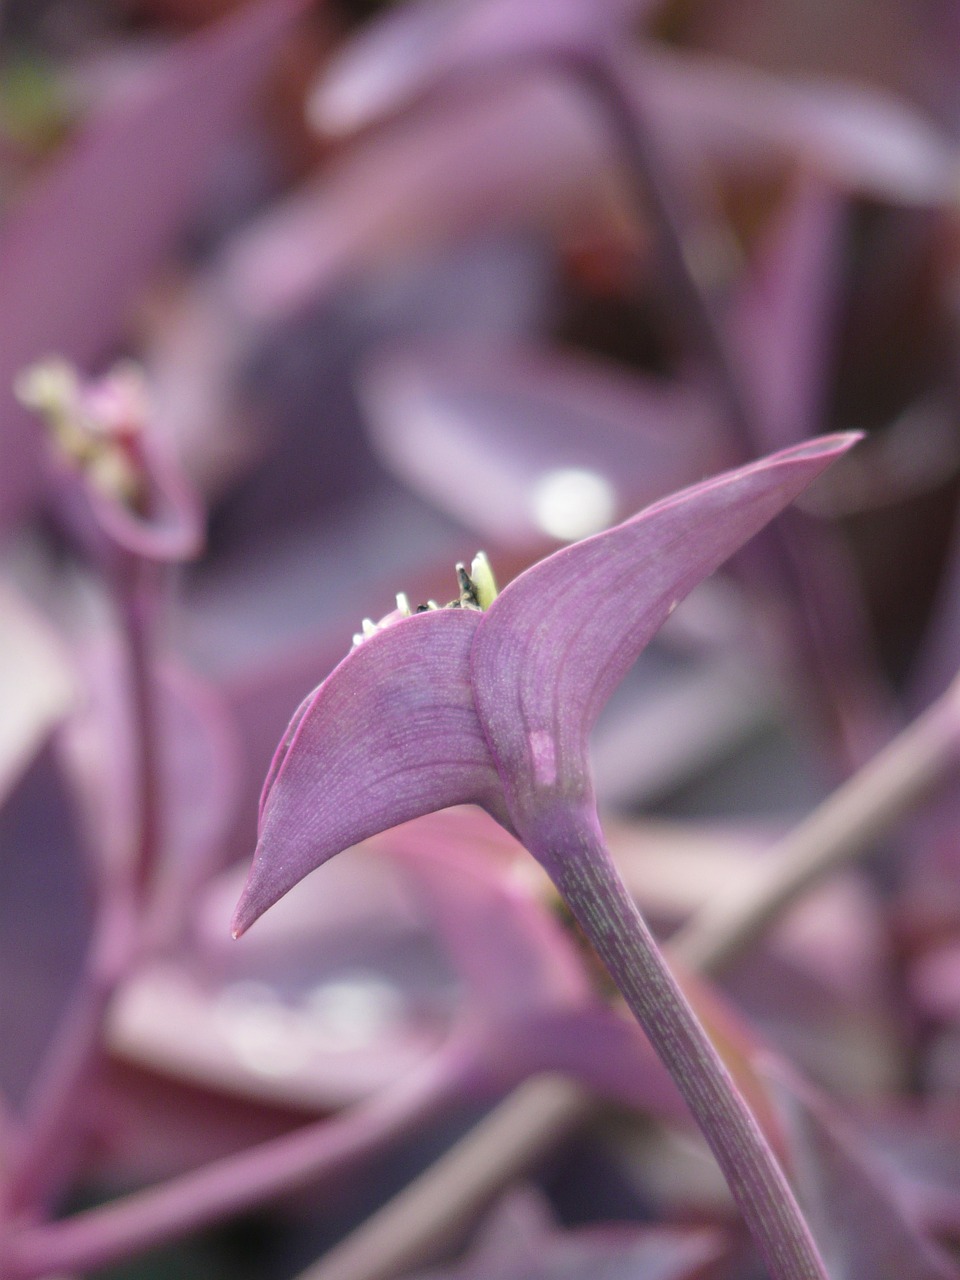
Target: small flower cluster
478,590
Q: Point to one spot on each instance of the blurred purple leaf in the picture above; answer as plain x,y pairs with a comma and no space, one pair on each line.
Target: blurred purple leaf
533,153
96,744
80,245
910,457
781,322
860,137
513,958
38,686
343,993
552,447
861,1229
935,982
708,108
918,1144
532,1001
520,1241
200,767
818,990
528,157
395,58
266,415
196,760
45,917
698,704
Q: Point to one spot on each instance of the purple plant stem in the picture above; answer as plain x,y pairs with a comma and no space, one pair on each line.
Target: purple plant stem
44,1151
43,1148
138,588
404,1232
571,847
146,1219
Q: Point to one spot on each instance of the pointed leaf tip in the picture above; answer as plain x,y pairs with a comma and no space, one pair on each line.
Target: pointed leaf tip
562,635
391,734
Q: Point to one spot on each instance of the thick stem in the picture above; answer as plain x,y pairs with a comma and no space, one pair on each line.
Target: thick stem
136,1223
573,852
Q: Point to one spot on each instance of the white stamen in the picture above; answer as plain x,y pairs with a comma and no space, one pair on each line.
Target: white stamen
483,580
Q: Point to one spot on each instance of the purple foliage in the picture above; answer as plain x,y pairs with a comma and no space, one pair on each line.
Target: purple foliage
298,304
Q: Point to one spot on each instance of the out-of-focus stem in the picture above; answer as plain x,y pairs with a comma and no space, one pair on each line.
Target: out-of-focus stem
138,593
851,706
40,1151
142,1221
435,1209
42,1155
834,834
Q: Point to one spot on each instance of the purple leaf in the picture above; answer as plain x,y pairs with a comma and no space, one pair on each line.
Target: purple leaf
532,999
555,448
919,1147
402,726
37,685
45,917
391,735
529,156
861,1229
394,59
519,1241
196,764
528,676
781,322
199,767
860,139
534,153
125,183
341,992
